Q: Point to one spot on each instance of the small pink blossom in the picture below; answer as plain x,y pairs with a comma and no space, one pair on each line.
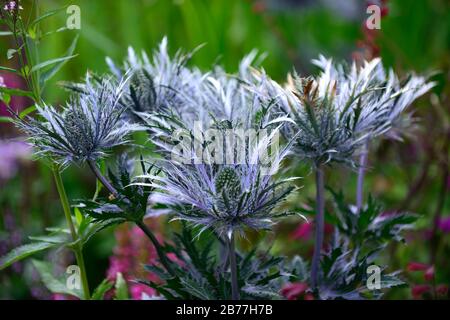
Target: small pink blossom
294,290
138,289
444,224
419,290
417,266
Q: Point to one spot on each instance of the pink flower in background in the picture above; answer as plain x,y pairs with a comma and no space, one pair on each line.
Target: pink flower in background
305,230
133,250
442,289
444,224
59,296
10,80
296,290
429,274
137,290
419,290
417,266
11,153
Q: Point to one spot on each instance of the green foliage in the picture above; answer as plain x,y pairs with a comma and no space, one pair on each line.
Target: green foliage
52,283
201,275
358,241
101,289
345,274
371,226
23,252
121,288
131,204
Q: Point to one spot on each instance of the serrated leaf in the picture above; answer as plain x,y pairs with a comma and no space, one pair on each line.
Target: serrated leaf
22,252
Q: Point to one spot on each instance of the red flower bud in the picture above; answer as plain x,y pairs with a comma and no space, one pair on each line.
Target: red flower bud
442,289
292,291
417,266
429,274
418,290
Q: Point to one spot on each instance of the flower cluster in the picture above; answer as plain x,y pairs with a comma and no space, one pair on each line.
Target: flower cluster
86,127
337,111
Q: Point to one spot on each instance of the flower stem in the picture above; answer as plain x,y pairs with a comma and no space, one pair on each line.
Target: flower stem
319,232
361,175
233,269
77,248
102,179
140,224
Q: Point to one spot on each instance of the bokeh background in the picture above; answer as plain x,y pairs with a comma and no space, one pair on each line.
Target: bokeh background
411,175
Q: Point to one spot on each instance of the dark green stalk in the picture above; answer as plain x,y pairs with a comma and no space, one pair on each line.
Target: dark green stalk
77,248
140,224
233,269
320,223
361,175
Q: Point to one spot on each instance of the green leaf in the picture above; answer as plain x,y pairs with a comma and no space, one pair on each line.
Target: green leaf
50,282
45,76
121,288
59,238
47,15
78,216
27,111
8,69
5,33
391,280
101,289
47,63
87,232
16,92
6,119
6,98
22,252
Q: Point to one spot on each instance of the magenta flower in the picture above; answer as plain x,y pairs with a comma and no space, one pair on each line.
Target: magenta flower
444,224
138,291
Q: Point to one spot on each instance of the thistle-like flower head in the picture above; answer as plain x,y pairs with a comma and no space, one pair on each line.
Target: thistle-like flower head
226,197
335,112
86,127
161,83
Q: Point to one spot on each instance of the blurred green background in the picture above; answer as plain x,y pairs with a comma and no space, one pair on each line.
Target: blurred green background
414,36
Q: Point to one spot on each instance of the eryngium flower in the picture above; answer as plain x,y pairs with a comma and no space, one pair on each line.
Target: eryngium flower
383,90
337,111
162,83
88,125
226,198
